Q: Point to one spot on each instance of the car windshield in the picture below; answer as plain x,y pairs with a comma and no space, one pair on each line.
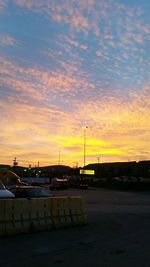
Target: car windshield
2,187
38,192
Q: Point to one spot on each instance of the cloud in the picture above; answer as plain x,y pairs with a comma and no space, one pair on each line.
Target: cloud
119,35
116,122
110,119
91,68
87,16
32,129
39,83
8,40
76,44
3,4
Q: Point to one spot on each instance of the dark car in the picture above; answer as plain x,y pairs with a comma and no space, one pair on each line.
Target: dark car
31,192
57,184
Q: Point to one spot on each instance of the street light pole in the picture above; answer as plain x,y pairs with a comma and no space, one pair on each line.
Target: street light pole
59,156
84,146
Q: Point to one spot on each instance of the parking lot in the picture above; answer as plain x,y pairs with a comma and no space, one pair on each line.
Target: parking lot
117,234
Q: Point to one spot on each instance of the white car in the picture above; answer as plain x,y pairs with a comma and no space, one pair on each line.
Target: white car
4,193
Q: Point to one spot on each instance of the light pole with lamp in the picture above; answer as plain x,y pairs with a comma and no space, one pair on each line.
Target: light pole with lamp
59,156
84,147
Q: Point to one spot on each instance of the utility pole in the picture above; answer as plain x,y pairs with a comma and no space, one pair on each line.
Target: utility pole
38,169
76,164
98,159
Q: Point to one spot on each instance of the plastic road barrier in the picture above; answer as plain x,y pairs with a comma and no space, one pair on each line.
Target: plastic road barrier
39,214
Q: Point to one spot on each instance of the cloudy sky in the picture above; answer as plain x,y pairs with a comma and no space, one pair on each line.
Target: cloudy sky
66,64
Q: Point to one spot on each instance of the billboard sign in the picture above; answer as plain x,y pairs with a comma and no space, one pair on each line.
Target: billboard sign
89,172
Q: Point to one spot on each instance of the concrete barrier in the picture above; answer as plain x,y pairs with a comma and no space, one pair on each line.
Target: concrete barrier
39,214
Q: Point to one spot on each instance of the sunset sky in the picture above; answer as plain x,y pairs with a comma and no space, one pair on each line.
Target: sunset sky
66,64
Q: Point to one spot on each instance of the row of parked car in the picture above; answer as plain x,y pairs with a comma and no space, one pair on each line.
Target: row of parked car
12,186
24,192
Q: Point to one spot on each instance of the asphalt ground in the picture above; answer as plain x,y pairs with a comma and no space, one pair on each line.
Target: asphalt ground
117,235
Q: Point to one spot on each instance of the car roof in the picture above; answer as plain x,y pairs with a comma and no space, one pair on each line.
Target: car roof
28,186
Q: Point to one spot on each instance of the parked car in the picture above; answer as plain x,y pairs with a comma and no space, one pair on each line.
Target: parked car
5,193
57,184
31,192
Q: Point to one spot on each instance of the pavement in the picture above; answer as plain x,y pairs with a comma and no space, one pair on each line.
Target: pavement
117,235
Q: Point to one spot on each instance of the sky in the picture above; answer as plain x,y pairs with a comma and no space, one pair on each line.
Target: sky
70,64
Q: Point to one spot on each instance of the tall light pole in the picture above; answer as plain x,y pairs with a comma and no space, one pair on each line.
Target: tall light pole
84,145
59,156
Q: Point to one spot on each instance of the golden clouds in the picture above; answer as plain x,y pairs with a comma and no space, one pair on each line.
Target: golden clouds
122,125
76,63
118,128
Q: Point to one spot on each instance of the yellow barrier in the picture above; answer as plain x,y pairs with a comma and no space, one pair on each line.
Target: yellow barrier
2,217
38,214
